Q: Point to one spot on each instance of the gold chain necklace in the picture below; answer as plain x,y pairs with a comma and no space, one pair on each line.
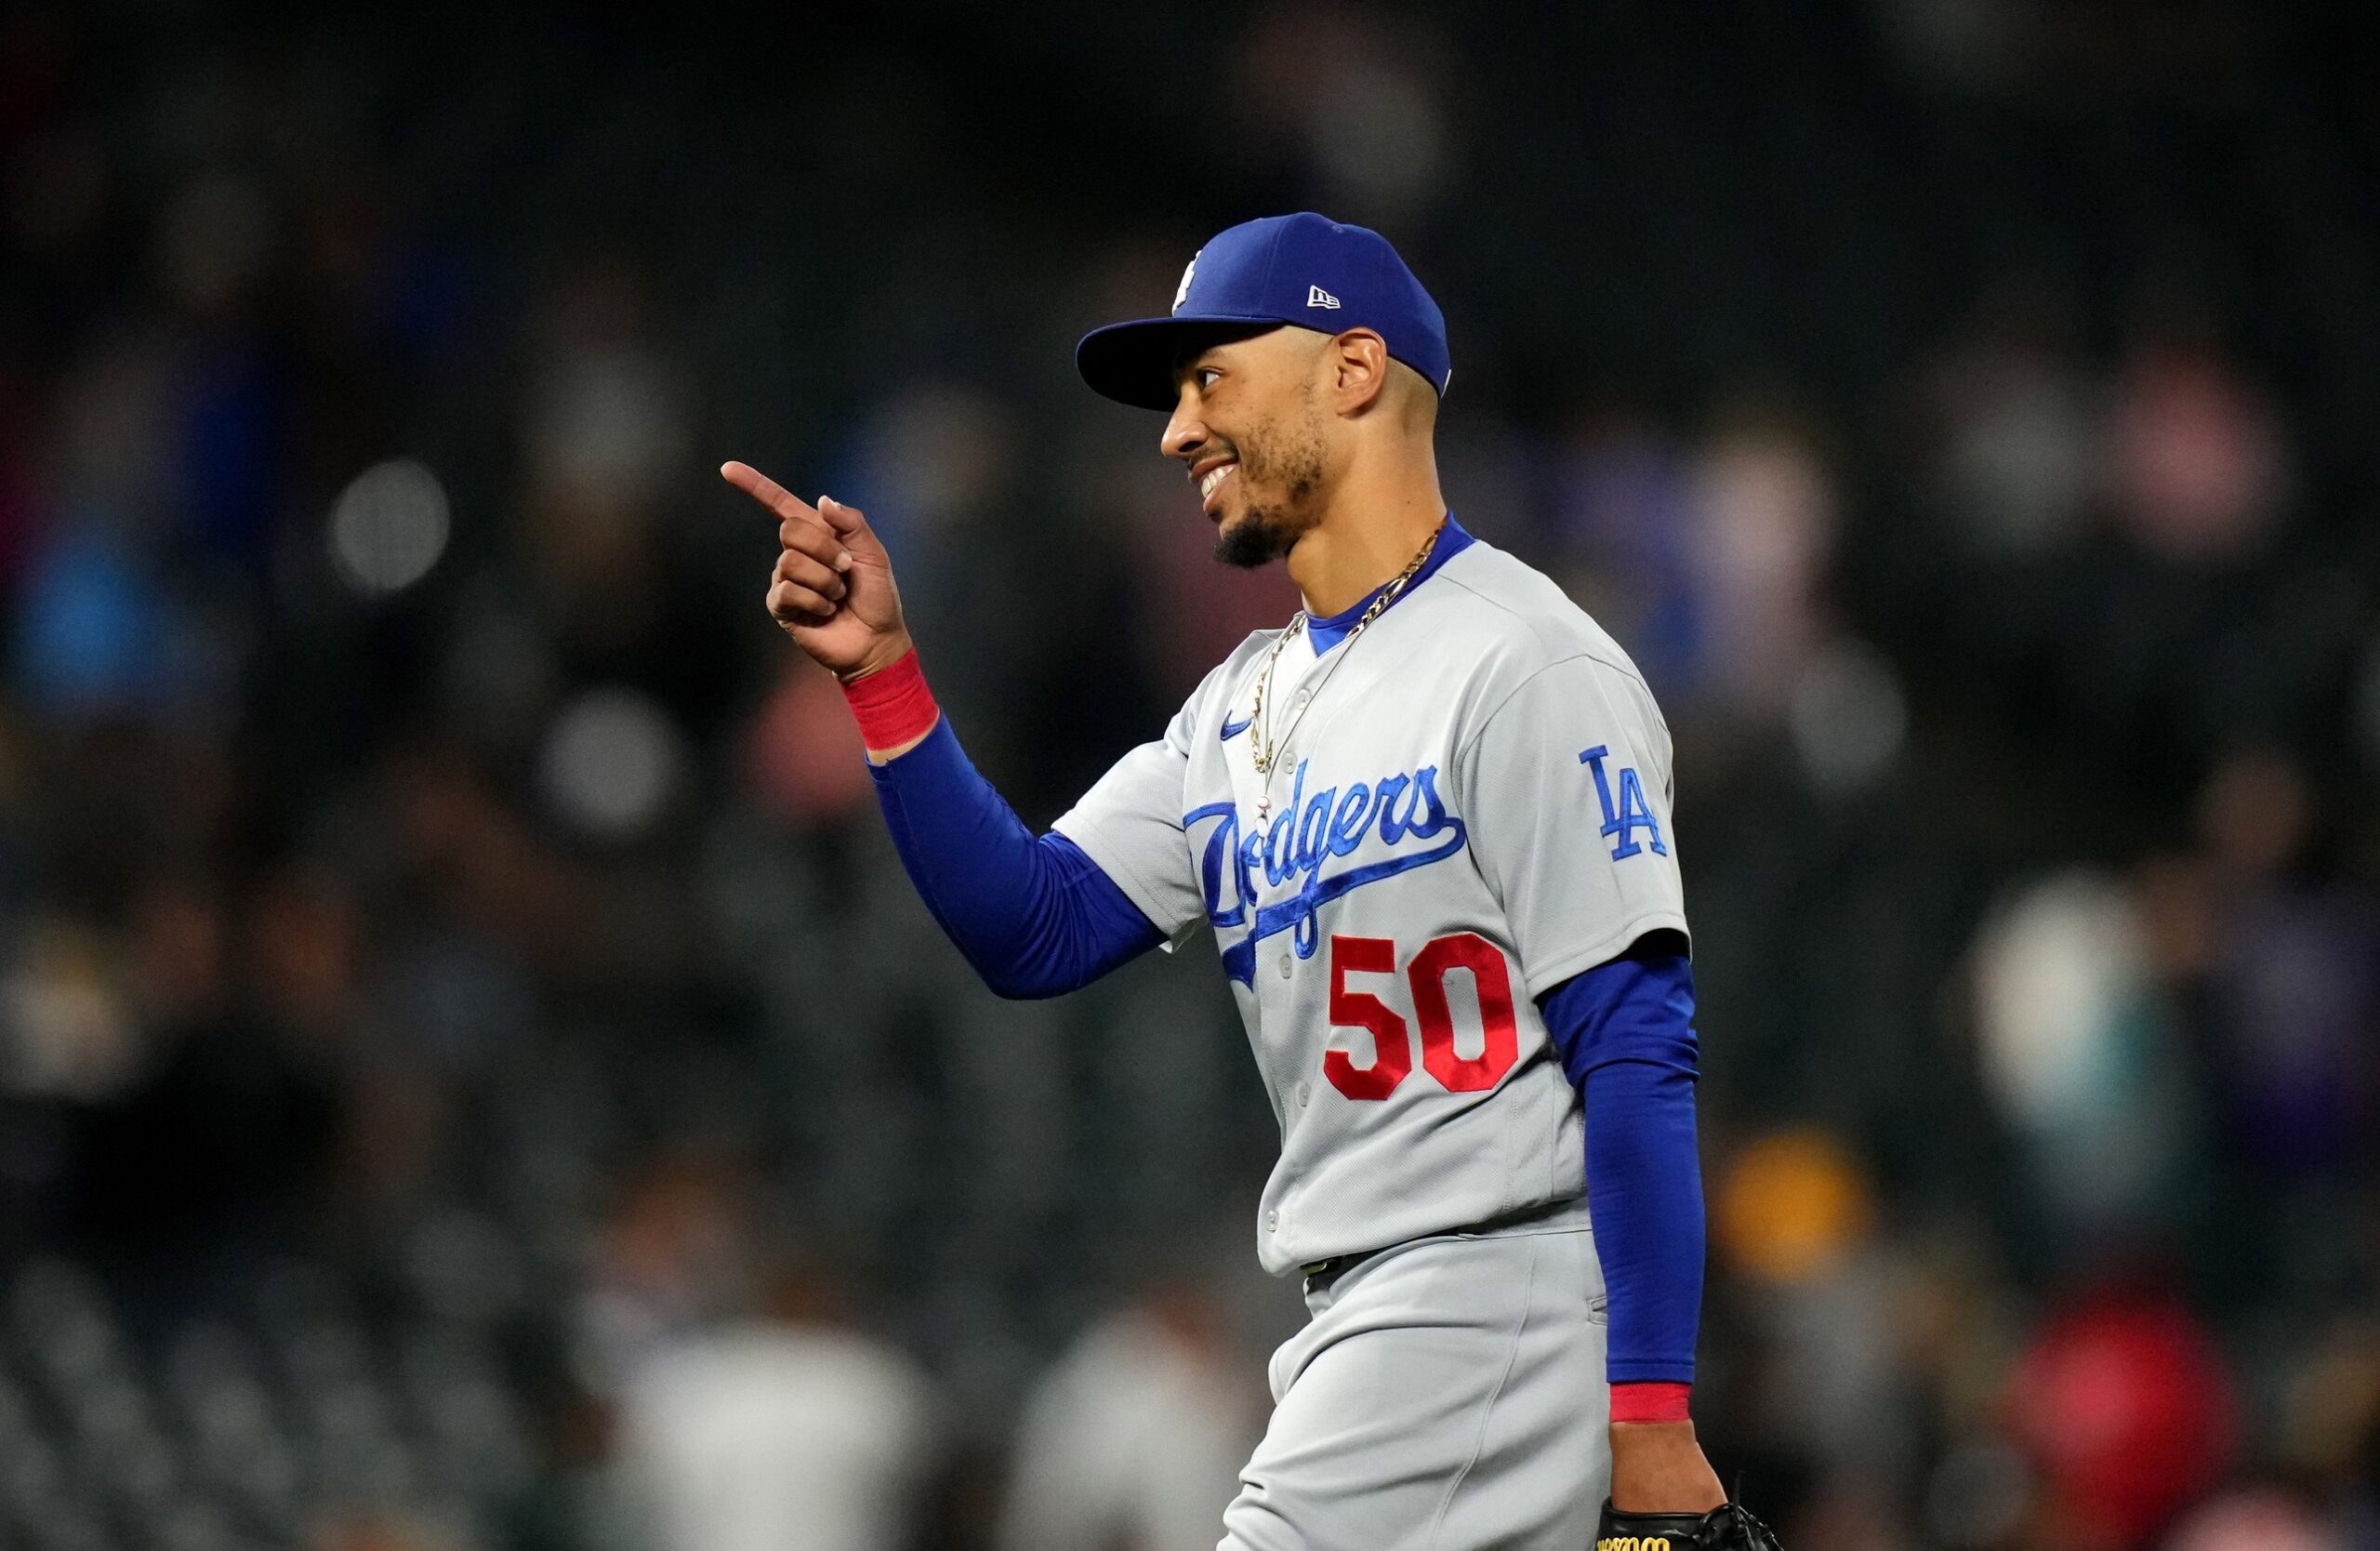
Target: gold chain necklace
1263,747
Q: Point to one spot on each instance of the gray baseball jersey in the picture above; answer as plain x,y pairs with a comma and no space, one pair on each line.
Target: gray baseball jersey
1470,803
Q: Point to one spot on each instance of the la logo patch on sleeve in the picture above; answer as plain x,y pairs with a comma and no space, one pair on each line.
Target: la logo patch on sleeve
1629,813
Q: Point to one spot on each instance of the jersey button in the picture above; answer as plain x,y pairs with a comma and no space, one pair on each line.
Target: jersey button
1303,1094
1272,1221
1285,966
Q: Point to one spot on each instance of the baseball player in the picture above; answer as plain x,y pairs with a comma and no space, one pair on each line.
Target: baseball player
1428,823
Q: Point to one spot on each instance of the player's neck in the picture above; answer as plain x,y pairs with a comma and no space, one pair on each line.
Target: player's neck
1371,531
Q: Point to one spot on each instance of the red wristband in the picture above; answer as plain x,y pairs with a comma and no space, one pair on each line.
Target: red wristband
892,706
1648,1402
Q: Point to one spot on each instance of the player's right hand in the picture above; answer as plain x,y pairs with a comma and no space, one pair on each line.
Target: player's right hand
832,589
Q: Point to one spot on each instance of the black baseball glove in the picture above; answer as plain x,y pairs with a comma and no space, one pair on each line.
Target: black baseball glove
1729,1527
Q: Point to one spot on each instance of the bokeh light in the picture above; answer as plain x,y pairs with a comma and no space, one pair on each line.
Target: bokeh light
1791,1206
389,528
612,761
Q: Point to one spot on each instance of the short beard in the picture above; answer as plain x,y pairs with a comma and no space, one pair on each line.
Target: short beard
1263,536
1268,533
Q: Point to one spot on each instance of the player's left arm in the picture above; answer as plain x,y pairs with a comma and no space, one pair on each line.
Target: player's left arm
1567,791
1625,1033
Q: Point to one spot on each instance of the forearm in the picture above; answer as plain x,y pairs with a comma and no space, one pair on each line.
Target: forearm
1626,1036
1625,1032
1034,916
1644,1189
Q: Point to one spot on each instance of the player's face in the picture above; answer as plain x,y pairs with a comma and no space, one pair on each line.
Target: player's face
1250,428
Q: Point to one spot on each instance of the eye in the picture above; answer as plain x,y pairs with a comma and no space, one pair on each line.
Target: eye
1207,376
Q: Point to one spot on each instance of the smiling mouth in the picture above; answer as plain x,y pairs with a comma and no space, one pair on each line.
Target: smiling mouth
1213,481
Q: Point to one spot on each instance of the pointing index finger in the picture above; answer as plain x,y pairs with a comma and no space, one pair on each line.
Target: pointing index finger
766,491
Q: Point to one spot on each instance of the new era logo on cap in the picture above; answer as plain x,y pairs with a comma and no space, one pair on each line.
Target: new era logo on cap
1316,297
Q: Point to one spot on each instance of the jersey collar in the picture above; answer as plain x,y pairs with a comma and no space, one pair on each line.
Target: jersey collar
1328,632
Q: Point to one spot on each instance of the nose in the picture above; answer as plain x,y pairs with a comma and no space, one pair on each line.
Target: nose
1186,431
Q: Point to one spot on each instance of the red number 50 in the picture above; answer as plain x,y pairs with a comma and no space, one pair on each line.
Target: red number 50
1392,1045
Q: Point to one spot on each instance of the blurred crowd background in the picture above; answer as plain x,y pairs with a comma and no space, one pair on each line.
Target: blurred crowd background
473,1076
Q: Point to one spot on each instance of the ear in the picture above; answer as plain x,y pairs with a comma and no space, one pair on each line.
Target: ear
1358,365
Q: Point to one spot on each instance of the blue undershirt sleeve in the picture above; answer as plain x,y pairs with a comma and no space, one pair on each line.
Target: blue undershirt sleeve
1625,1032
1034,916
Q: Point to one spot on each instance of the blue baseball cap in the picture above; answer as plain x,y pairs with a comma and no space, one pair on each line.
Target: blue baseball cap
1305,270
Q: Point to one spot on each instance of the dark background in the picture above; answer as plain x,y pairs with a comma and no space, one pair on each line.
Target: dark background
450,962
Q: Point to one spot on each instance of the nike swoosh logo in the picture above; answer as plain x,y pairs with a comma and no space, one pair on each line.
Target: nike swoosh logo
1233,729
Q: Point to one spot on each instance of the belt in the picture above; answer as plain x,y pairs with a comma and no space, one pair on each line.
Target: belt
1320,1274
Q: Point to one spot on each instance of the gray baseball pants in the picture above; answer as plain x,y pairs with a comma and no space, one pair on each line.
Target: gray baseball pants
1446,1395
